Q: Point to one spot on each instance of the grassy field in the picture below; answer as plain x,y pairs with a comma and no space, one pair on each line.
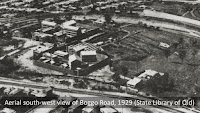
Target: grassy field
172,8
185,74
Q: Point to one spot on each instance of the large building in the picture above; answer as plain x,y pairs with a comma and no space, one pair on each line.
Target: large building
72,59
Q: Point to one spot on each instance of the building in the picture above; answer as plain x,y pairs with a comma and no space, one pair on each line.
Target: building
71,31
70,28
39,51
46,24
108,109
148,74
88,56
133,82
60,36
69,23
43,37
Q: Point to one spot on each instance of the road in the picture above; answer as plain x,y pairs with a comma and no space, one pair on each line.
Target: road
129,20
186,1
22,84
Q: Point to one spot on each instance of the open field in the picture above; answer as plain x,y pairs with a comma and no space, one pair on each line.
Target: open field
172,8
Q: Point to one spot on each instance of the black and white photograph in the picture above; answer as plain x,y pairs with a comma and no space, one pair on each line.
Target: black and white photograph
99,56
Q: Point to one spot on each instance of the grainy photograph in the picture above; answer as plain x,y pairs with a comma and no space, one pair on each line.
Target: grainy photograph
99,56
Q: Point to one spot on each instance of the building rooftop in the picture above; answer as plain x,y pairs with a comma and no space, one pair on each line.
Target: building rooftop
41,49
149,73
48,23
73,28
108,110
47,29
61,53
59,33
68,23
8,110
43,35
49,55
88,53
88,109
134,81
79,47
86,46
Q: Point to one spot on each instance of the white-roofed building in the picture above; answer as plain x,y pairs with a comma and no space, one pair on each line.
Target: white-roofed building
148,74
61,53
48,24
133,82
69,23
79,48
49,56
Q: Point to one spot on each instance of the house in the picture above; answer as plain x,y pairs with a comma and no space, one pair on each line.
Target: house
133,82
148,74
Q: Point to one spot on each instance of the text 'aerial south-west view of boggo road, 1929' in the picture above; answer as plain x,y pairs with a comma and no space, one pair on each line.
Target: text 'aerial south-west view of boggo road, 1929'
99,56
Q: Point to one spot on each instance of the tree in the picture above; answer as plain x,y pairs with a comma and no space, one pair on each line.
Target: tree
124,70
69,16
182,54
116,77
137,64
159,83
1,51
194,52
167,53
181,40
108,18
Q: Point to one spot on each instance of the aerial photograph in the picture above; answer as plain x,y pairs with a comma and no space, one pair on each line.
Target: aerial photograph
99,56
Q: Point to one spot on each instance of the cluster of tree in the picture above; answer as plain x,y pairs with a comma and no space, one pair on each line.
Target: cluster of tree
80,84
8,65
157,84
120,69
